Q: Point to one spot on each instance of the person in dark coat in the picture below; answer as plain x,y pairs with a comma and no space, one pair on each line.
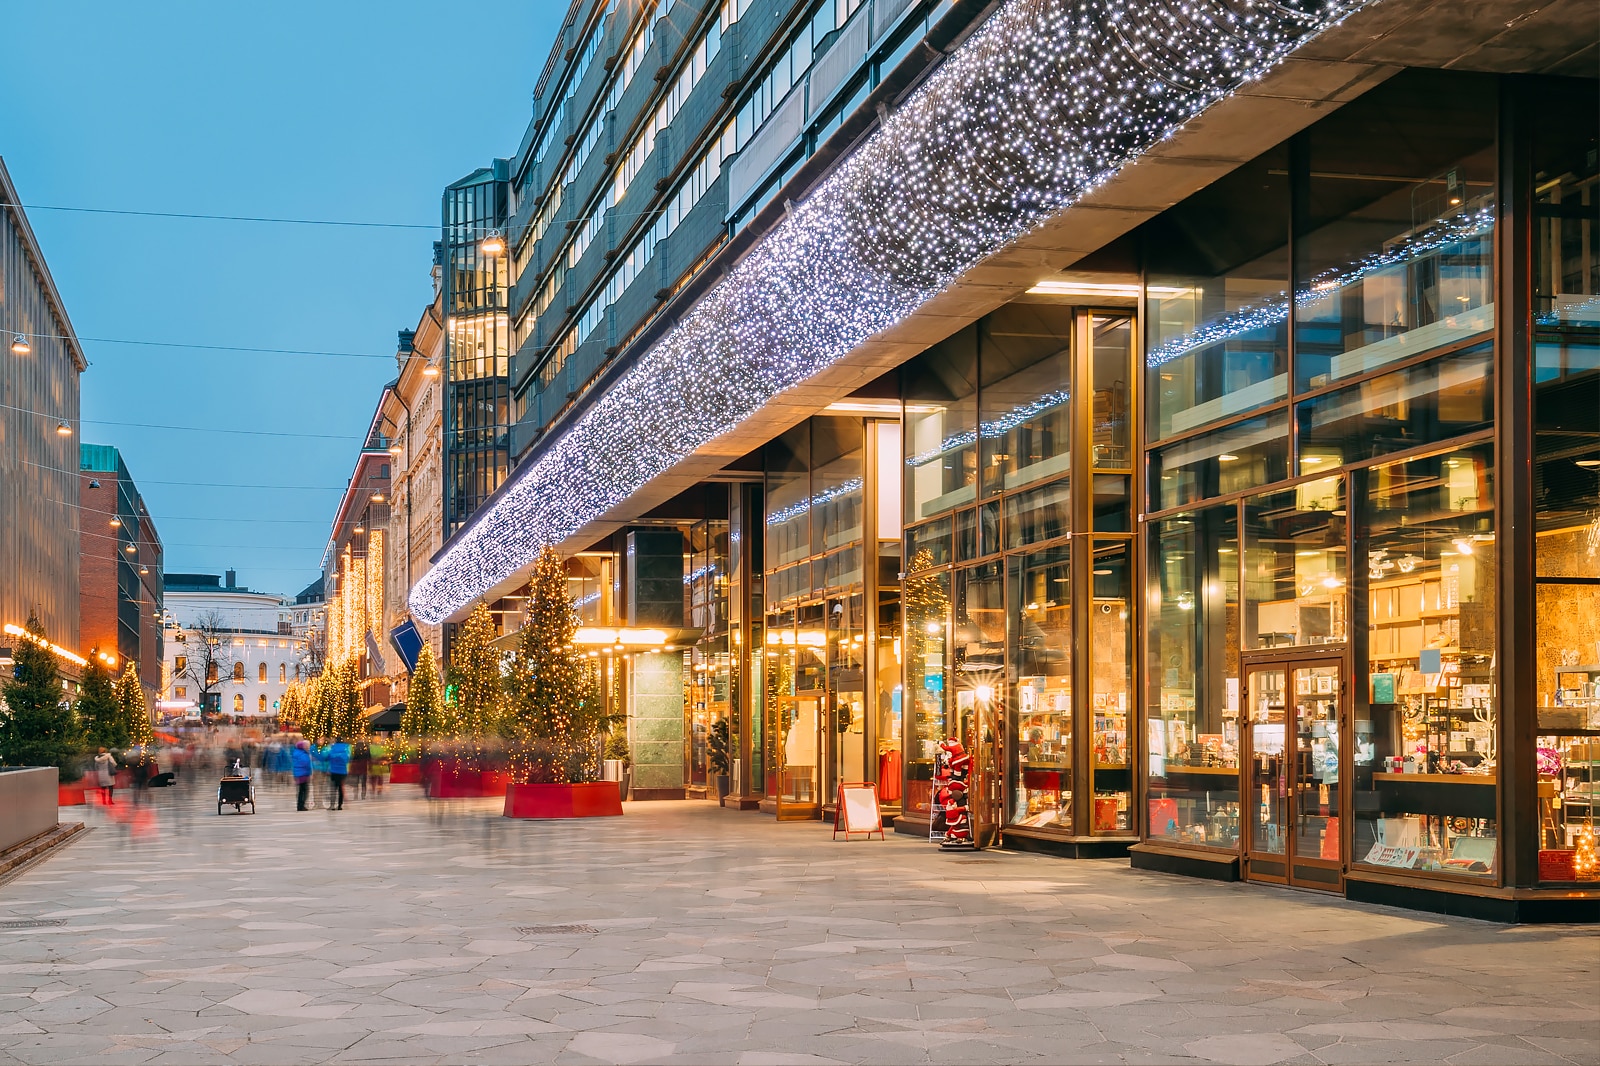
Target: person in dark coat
300,767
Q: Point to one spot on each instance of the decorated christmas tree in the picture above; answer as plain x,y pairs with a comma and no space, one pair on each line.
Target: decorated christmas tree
475,676
98,709
37,726
134,710
1584,862
424,718
553,719
290,707
347,722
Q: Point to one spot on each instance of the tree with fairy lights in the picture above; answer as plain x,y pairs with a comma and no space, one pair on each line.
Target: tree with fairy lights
134,711
346,721
475,676
554,718
37,726
99,711
424,718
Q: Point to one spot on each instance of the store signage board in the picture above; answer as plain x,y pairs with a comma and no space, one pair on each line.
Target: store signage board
858,811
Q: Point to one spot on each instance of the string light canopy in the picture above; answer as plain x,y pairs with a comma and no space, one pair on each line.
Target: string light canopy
1045,102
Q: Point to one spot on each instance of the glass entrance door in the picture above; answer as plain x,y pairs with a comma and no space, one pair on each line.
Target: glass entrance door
1293,739
798,752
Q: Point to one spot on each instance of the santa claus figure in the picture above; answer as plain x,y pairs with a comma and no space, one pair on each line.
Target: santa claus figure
951,771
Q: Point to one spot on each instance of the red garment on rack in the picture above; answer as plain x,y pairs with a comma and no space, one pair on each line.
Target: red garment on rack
889,776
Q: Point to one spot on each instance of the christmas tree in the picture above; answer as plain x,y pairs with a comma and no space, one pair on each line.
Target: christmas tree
475,674
1584,863
98,709
290,707
553,719
347,722
134,712
424,718
38,727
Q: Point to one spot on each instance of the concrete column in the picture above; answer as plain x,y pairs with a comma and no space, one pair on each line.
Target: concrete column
656,713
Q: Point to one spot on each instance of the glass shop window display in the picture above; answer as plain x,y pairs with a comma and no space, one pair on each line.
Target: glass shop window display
1425,766
1566,302
1192,742
1041,652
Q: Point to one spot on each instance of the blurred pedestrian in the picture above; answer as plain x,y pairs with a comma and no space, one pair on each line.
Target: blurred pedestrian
360,767
300,767
105,772
338,769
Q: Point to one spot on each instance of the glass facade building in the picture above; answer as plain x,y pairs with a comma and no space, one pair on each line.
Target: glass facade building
1253,536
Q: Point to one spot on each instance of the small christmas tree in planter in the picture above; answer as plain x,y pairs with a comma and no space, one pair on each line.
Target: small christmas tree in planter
424,719
721,760
134,709
554,718
99,711
37,727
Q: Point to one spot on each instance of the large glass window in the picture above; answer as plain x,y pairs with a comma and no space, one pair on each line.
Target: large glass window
1567,477
1027,374
788,496
1424,755
927,611
1041,661
1294,566
1216,300
941,417
1243,456
1111,685
1037,515
1435,401
838,457
1396,246
1192,732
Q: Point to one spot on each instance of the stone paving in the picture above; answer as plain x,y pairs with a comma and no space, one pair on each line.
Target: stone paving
408,932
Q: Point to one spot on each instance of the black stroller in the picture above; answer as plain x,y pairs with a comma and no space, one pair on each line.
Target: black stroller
236,788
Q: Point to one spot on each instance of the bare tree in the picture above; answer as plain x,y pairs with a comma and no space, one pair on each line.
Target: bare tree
209,658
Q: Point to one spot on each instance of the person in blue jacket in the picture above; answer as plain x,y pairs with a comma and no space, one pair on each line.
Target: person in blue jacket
300,767
338,767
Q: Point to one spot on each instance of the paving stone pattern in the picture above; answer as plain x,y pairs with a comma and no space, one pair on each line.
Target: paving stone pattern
402,931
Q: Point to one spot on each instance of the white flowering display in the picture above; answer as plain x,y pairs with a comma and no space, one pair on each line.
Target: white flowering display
1043,103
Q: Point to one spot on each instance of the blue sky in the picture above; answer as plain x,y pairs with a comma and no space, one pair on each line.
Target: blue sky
352,111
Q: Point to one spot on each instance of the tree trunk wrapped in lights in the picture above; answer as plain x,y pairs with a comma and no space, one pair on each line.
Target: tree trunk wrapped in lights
134,710
555,719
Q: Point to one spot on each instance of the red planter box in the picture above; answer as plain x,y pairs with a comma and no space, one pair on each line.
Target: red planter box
594,799
69,795
493,783
465,784
405,773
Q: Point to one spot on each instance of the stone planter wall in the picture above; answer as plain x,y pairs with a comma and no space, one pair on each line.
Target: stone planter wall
29,799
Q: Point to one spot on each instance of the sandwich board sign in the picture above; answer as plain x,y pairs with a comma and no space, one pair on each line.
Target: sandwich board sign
858,811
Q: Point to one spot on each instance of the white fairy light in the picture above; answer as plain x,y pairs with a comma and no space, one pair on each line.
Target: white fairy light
1047,100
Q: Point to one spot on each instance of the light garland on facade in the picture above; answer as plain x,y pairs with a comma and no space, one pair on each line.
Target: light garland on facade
1047,100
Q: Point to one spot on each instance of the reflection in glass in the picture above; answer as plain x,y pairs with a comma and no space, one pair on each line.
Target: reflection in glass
1269,767
1041,654
1243,456
1192,734
1397,259
1435,401
1294,566
941,417
838,458
1037,515
788,497
1111,363
1027,375
1218,278
1316,764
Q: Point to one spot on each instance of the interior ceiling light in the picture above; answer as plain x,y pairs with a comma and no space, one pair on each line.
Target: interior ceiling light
20,345
1041,105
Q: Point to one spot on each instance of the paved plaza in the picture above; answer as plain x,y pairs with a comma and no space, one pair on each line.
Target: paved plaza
403,931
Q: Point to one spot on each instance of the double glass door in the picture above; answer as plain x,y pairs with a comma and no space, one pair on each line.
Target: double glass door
799,784
1293,735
